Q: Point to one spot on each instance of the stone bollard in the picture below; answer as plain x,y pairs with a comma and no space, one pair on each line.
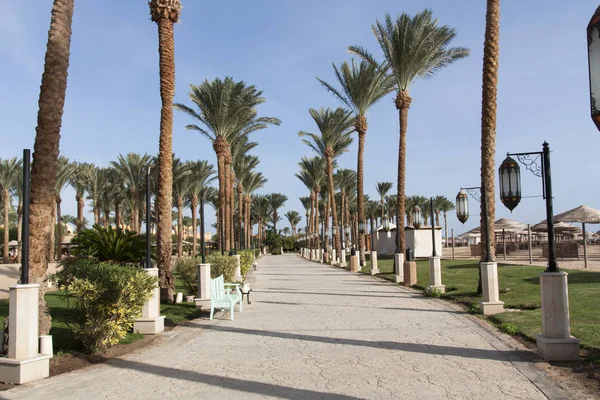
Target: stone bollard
151,322
355,263
24,363
435,274
179,298
556,342
238,269
203,296
490,303
410,273
399,267
333,260
343,259
374,270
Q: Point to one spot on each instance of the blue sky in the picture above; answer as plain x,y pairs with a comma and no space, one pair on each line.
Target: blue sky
113,103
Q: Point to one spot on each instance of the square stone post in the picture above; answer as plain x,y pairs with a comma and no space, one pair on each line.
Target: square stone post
151,322
374,270
24,362
490,303
203,296
556,342
435,274
399,267
410,273
333,257
238,268
355,263
343,259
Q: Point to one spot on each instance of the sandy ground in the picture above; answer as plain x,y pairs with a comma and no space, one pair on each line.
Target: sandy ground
9,275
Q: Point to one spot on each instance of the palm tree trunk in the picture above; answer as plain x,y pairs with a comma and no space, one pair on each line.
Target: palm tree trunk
164,197
96,211
403,102
134,213
219,147
80,204
118,215
194,209
240,190
51,252
179,226
60,228
5,257
360,200
310,225
488,123
446,227
338,243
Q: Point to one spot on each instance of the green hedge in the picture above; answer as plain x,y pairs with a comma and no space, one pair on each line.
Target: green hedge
219,265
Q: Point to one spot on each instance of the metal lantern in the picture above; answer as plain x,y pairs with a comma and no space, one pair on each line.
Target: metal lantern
386,224
510,183
416,217
462,206
361,227
593,38
347,230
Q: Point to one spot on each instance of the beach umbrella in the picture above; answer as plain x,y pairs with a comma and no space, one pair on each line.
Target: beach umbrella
583,215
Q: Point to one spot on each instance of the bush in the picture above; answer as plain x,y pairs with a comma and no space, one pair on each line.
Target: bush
509,328
273,242
246,259
106,299
221,265
431,292
109,245
288,244
188,273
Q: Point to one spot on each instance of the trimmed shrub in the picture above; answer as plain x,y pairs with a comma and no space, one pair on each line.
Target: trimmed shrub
110,245
106,299
188,273
221,265
273,242
288,243
246,259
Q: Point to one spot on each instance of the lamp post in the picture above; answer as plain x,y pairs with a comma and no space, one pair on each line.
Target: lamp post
202,240
555,343
25,224
148,245
593,40
386,223
415,215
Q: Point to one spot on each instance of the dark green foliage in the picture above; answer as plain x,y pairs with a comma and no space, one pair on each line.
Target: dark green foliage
288,243
273,242
110,245
187,270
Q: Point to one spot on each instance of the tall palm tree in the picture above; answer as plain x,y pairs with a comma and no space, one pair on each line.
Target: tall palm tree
262,209
79,181
335,128
306,203
382,190
46,148
276,201
64,172
202,174
9,179
345,179
132,169
294,219
227,109
413,47
362,85
243,164
182,185
312,174
96,182
165,13
252,182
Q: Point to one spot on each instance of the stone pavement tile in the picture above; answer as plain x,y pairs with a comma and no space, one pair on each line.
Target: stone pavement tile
312,332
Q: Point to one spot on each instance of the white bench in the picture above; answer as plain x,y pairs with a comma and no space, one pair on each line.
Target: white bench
223,298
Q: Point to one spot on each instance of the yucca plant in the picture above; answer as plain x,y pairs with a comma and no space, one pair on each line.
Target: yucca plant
109,245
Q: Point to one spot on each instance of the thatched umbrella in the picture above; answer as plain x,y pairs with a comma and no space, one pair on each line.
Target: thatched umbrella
583,215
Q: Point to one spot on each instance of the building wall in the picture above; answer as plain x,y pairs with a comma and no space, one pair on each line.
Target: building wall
417,239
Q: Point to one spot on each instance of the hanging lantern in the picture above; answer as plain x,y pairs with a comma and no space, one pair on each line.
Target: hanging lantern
593,38
386,224
415,214
347,230
361,226
462,206
510,183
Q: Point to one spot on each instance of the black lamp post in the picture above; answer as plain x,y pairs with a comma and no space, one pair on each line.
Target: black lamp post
462,212
433,254
202,241
25,223
510,189
148,233
593,39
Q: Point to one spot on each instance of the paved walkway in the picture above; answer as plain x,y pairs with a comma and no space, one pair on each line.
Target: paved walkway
314,332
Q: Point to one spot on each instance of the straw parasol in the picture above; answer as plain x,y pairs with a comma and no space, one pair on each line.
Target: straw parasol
583,215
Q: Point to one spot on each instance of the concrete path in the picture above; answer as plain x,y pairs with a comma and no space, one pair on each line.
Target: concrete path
315,332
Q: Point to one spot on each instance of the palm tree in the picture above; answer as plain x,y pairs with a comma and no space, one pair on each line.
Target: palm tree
165,13
276,201
252,182
345,179
202,173
362,85
182,185
96,182
64,172
132,169
227,109
336,129
79,181
306,203
262,209
9,179
293,218
382,190
312,174
413,47
243,165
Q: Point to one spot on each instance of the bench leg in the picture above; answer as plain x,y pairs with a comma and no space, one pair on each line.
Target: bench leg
212,312
241,301
232,306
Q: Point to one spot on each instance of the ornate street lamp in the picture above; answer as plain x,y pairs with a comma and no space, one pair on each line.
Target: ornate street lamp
510,189
347,230
415,214
593,39
462,212
361,226
386,224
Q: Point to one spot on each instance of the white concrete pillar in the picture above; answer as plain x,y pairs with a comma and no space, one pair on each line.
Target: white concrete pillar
435,274
151,322
556,342
410,273
490,303
399,267
354,263
333,260
238,268
374,270
343,259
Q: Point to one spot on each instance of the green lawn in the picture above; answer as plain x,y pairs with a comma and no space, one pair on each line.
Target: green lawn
519,288
62,334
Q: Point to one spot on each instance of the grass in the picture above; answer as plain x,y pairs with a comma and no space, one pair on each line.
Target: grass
63,337
519,289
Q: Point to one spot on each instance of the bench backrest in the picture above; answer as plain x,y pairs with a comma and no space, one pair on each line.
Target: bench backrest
217,288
